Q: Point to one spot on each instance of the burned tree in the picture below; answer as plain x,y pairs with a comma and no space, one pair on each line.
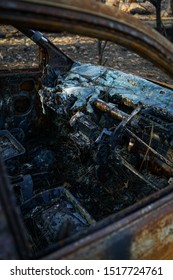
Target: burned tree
171,6
159,24
101,45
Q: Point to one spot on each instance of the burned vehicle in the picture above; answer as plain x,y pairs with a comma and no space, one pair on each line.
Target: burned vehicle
86,152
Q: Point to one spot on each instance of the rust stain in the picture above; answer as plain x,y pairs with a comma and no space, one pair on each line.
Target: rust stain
154,240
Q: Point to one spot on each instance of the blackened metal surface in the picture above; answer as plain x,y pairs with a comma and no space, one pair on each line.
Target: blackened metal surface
19,103
9,146
54,216
12,233
147,234
49,53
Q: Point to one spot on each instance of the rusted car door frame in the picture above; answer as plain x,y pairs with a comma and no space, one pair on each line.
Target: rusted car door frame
146,232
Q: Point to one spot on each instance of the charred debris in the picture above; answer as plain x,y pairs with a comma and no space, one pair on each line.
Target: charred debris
102,141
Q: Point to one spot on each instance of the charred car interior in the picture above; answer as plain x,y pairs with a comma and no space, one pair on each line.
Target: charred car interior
88,151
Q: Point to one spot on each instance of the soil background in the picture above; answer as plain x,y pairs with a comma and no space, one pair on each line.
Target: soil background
17,51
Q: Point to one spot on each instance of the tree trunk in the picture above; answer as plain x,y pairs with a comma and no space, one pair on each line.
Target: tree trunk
158,17
171,5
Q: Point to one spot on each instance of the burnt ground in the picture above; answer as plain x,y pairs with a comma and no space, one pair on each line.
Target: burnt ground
17,51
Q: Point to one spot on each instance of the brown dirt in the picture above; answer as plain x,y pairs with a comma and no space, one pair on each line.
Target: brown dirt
17,51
